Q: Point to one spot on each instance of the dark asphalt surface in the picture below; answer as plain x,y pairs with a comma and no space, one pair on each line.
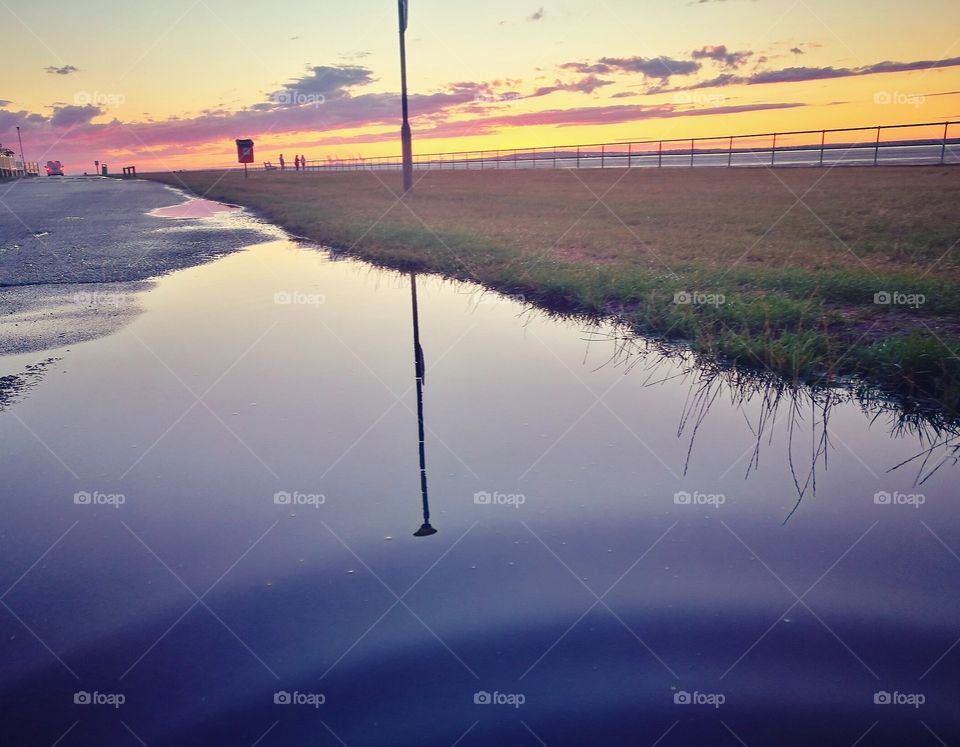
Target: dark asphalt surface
95,230
75,253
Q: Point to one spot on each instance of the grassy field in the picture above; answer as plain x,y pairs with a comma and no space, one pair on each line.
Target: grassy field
772,269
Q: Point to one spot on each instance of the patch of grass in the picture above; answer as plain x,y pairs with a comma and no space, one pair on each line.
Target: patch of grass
786,284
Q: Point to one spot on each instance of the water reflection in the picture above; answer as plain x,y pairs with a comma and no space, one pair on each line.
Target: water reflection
774,399
512,592
425,529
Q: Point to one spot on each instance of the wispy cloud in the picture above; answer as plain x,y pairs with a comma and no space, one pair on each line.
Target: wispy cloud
801,74
537,15
587,85
720,54
661,68
64,70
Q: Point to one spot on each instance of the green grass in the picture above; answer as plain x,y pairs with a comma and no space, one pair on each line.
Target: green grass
797,278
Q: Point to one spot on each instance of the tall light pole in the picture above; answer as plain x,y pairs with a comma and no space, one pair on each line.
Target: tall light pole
22,161
406,138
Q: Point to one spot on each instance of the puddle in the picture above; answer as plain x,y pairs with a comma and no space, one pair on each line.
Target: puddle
624,541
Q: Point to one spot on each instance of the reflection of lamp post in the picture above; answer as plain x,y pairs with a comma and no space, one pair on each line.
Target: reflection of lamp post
406,139
425,529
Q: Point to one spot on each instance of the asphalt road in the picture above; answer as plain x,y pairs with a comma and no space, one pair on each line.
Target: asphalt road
76,252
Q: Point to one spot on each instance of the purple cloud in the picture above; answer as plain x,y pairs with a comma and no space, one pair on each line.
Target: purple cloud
720,53
71,116
801,74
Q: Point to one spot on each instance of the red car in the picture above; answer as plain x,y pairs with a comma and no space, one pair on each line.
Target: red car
54,168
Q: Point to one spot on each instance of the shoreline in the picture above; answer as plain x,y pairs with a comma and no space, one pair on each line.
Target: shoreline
804,320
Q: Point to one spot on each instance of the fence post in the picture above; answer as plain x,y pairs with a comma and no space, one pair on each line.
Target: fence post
515,159
660,155
730,153
773,151
823,140
578,154
691,153
876,152
630,156
943,150
603,156
498,159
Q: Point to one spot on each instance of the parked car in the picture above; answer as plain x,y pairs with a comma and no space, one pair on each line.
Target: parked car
54,168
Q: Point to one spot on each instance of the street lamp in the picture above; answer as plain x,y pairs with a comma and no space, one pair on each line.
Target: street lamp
23,162
406,138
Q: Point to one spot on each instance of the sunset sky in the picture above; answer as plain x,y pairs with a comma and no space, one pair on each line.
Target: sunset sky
172,84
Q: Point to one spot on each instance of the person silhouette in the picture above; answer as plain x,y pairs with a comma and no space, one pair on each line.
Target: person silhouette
303,162
283,164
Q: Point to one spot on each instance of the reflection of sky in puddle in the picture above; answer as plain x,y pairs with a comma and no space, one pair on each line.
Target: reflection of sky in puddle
303,367
193,208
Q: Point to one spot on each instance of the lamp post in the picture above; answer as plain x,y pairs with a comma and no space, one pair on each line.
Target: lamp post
23,162
406,138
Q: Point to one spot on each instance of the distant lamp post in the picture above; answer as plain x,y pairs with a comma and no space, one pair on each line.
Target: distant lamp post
23,161
406,138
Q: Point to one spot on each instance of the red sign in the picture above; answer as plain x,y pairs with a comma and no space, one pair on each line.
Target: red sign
245,151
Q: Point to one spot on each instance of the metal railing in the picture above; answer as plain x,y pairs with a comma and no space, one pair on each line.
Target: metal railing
12,166
880,145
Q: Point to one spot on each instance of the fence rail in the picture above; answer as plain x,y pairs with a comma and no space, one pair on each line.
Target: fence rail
11,166
879,145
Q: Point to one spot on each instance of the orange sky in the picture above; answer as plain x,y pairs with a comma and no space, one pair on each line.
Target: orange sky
172,85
